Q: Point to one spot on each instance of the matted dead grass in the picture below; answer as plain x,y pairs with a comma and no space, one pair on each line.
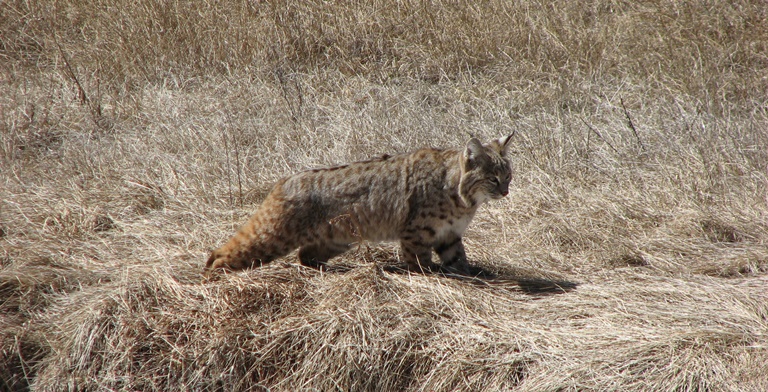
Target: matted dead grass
630,254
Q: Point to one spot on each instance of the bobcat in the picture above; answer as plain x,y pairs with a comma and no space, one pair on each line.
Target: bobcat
424,199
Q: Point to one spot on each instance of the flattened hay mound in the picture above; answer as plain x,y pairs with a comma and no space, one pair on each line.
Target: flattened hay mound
286,327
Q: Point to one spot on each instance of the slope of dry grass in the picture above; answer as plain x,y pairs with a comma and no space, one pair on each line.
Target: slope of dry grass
630,253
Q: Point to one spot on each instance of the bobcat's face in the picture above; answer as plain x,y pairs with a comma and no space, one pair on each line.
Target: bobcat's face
486,171
496,184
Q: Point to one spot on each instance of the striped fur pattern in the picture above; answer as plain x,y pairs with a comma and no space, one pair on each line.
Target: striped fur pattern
425,200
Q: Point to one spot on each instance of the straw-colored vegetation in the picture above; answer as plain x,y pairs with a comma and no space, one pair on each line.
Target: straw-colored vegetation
631,253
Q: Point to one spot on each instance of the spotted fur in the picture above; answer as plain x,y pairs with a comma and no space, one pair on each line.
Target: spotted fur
425,200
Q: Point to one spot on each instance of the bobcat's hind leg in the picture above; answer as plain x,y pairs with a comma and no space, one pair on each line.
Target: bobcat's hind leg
315,255
244,251
234,261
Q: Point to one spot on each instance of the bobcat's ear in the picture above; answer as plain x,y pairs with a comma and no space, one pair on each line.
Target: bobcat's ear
474,150
503,143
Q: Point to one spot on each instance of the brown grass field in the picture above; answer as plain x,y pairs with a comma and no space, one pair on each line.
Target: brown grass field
630,255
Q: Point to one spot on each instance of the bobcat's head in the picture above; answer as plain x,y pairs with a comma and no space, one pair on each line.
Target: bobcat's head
485,171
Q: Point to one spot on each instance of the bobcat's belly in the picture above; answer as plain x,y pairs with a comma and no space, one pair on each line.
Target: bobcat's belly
380,230
372,224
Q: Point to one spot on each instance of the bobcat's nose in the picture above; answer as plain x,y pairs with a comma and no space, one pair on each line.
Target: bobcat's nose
504,192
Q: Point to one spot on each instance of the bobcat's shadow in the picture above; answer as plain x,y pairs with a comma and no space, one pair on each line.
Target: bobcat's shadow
480,276
525,283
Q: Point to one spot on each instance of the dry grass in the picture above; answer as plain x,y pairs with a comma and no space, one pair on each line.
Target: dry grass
137,135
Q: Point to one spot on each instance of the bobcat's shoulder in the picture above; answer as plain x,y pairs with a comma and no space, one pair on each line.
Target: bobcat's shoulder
424,199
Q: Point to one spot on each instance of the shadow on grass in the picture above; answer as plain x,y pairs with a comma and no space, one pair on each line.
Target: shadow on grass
518,280
479,276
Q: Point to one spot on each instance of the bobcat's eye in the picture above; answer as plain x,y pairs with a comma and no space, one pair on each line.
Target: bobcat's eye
494,180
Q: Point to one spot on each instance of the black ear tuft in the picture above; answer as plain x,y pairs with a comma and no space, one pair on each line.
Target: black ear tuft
504,143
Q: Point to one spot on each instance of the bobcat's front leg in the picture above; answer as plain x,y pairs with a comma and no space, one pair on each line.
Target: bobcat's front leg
451,252
417,255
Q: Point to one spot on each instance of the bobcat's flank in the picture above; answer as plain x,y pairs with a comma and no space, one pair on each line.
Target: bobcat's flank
424,199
